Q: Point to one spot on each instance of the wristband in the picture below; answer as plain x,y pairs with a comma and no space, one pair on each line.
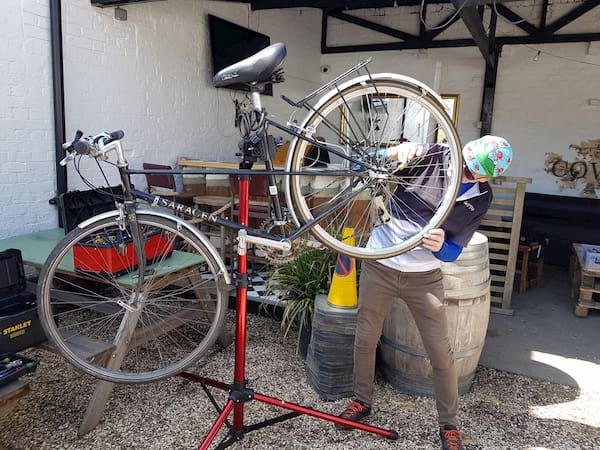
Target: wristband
449,252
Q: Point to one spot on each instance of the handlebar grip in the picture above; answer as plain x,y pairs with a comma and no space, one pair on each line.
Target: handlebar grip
83,148
114,136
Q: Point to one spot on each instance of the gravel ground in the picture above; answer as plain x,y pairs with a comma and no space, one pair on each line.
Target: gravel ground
502,410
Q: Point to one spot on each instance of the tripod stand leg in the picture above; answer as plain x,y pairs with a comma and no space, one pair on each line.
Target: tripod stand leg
389,434
217,426
239,393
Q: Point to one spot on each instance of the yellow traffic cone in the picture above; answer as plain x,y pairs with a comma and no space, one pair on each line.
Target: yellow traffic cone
342,292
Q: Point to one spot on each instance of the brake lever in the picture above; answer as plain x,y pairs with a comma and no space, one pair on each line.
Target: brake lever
67,159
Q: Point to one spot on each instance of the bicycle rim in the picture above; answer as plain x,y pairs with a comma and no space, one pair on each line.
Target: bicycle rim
358,122
89,299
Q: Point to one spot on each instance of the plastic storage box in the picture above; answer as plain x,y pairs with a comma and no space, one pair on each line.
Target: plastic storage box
591,256
114,254
76,206
20,327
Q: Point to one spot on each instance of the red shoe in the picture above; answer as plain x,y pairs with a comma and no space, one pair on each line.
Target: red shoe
450,437
356,411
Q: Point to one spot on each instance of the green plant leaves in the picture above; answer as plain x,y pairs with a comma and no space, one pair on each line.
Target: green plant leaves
299,281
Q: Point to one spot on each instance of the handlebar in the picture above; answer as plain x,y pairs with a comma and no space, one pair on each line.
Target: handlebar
93,146
83,147
114,136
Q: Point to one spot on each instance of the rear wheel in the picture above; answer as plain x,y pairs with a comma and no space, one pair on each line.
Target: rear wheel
358,121
111,325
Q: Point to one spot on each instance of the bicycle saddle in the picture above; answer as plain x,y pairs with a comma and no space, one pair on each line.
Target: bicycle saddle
257,68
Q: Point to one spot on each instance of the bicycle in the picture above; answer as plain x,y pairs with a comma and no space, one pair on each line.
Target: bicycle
151,287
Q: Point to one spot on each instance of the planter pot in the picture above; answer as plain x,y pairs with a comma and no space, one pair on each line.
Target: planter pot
304,339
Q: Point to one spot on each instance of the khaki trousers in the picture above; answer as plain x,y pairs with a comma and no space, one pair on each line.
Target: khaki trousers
422,291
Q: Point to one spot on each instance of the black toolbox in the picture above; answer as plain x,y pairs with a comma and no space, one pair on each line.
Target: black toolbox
76,206
20,326
13,366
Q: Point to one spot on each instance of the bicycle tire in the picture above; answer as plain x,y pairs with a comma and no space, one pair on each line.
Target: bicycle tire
390,107
88,287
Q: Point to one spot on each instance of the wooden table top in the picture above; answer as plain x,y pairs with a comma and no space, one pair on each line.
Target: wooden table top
35,248
198,164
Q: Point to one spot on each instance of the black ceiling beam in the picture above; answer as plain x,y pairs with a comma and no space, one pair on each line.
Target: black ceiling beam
416,45
489,80
332,4
107,3
373,26
415,41
517,20
544,15
349,4
442,26
542,35
500,41
472,20
572,15
549,39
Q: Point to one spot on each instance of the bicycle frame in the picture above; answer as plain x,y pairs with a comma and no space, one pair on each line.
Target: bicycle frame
266,238
360,169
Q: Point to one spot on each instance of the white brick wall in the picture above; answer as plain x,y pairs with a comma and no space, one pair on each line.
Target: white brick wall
27,177
150,76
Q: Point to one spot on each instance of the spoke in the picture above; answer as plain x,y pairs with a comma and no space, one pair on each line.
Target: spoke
374,117
178,315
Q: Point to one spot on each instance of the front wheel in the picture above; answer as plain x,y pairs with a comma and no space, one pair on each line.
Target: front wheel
361,189
111,324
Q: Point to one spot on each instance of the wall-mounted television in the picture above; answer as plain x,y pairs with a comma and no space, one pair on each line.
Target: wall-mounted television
230,43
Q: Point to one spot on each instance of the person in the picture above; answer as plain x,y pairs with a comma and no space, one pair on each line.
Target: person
416,277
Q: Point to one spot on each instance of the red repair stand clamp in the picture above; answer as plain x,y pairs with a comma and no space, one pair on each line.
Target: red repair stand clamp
239,393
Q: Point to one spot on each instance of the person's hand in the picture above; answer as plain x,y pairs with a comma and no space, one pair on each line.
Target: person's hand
434,239
406,151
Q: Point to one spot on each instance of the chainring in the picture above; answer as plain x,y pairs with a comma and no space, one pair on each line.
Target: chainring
274,256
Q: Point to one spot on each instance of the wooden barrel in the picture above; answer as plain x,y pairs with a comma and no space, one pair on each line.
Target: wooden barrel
402,359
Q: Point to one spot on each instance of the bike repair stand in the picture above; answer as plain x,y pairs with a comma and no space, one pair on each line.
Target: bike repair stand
239,393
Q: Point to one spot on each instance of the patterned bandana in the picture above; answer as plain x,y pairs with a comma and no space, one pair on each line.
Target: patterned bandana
488,155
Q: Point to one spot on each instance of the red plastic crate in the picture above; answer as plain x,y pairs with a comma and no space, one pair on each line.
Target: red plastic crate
157,246
117,256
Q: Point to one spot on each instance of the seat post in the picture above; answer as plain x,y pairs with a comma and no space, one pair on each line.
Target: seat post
256,100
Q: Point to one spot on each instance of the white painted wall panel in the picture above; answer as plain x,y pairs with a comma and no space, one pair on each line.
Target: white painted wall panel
149,75
27,176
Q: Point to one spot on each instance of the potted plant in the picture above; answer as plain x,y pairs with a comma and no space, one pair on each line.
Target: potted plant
298,282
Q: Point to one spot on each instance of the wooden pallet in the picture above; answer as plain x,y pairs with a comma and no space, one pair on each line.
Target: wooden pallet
502,226
585,284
